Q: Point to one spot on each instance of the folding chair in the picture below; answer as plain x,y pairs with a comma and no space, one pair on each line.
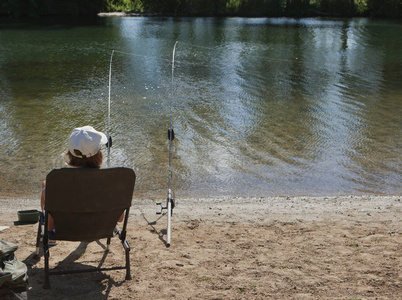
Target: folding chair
86,205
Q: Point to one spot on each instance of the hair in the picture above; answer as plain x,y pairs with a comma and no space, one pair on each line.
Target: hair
87,162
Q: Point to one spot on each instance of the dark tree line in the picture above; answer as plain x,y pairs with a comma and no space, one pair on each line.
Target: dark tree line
34,8
244,8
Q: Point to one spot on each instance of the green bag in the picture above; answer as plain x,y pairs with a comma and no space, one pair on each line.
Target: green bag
13,273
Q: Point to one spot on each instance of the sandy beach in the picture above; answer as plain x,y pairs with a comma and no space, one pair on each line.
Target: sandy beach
232,248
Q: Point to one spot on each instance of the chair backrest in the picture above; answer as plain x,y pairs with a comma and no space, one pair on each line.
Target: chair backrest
87,203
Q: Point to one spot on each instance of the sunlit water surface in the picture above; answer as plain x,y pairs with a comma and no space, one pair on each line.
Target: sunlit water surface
260,107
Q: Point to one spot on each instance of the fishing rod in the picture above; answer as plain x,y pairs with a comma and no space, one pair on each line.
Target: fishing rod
170,203
109,138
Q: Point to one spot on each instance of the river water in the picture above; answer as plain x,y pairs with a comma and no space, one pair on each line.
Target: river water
260,107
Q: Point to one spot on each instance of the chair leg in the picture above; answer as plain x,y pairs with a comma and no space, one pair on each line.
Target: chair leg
128,271
108,244
125,243
38,237
46,284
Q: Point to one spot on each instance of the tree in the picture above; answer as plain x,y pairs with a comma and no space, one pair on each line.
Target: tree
385,8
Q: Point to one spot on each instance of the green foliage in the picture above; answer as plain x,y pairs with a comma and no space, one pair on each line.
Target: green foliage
244,8
123,5
33,8
345,8
18,8
255,8
361,7
297,8
71,7
385,8
372,8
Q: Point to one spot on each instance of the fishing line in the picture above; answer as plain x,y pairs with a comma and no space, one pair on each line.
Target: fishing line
146,56
219,61
109,143
218,64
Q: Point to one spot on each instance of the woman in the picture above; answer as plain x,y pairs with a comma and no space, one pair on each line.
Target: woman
84,151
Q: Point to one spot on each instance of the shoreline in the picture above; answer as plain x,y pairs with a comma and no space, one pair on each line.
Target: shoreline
246,209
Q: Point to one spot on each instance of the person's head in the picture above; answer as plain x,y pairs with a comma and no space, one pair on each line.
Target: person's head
84,148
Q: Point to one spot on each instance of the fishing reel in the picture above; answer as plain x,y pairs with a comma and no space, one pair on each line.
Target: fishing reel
169,204
109,142
170,134
171,200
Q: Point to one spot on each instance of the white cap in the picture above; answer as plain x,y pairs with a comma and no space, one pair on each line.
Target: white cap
87,140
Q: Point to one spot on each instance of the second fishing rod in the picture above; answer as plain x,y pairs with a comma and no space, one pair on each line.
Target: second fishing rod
170,202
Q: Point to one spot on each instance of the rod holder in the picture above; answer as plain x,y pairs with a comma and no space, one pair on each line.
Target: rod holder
161,208
171,200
